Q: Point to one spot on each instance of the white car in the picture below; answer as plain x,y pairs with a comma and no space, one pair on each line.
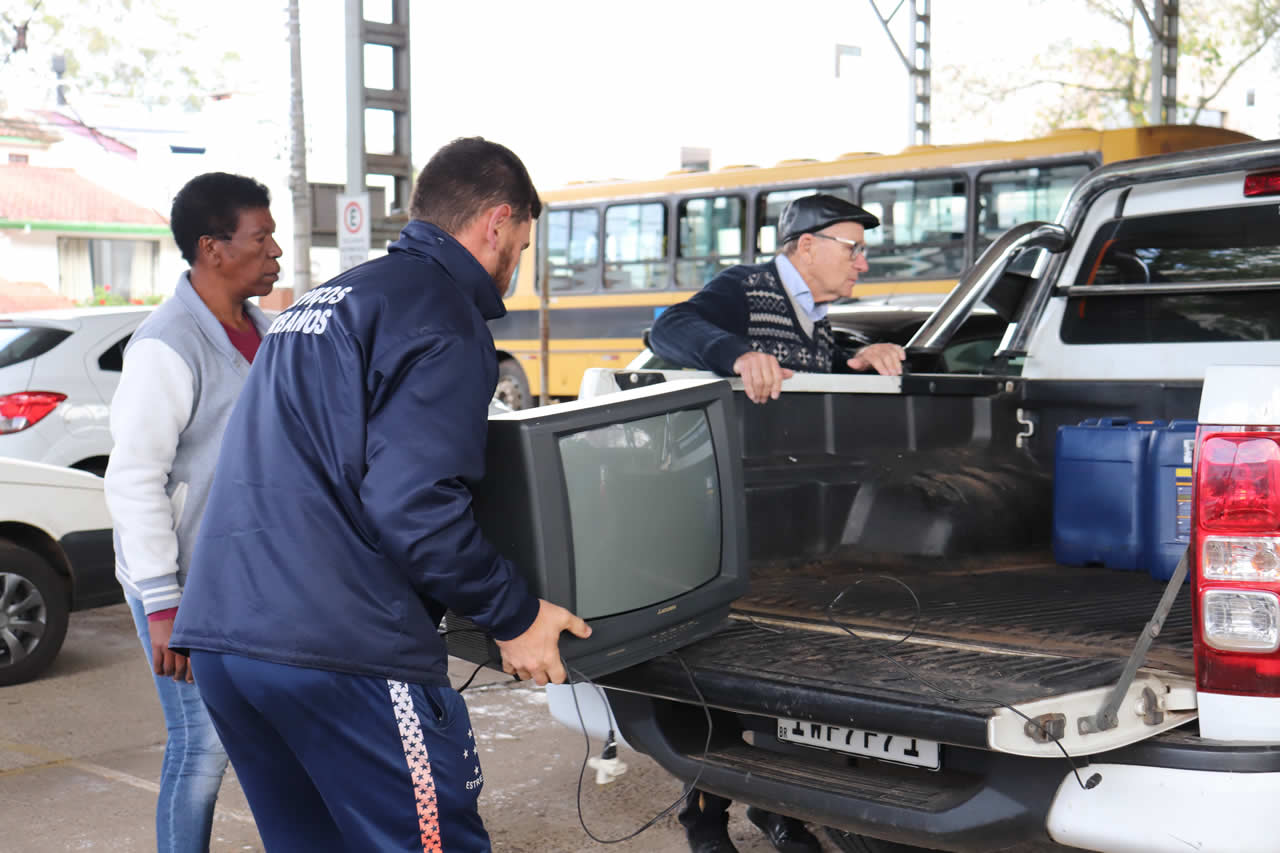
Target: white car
58,372
55,557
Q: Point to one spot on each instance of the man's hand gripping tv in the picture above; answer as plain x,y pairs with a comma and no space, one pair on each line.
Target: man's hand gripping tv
536,653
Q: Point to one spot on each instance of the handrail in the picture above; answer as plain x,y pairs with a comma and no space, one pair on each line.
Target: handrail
938,330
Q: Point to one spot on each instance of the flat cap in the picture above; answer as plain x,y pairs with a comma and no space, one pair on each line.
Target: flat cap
814,212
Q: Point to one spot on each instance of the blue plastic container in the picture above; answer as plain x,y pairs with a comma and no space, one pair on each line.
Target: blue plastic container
1098,482
1167,495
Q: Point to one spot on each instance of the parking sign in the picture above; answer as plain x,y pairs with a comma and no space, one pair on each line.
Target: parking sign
353,229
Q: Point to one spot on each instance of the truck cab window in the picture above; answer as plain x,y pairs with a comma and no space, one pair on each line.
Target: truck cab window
1176,273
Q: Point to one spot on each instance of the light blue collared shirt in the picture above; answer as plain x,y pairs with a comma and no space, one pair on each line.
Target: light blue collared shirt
796,286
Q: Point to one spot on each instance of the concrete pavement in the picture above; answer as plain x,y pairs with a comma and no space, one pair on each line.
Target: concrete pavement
80,753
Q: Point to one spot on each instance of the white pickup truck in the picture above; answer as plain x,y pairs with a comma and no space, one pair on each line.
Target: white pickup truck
1015,699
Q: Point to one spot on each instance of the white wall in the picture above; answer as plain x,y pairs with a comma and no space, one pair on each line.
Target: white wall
30,256
169,265
33,256
1262,117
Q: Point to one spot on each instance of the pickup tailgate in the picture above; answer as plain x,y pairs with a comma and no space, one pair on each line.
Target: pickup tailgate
1021,633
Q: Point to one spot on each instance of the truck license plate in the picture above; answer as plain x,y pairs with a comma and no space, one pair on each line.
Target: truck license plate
895,748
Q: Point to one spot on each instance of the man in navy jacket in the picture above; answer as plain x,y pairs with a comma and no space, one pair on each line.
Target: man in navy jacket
339,529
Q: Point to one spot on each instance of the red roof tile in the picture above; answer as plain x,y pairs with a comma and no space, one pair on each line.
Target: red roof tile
29,296
39,194
26,129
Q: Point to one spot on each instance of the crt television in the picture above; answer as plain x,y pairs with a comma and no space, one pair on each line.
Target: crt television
626,509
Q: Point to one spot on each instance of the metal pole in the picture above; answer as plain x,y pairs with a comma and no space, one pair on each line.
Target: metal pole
544,325
884,22
1156,101
1169,60
918,65
298,186
911,76
921,73
1162,23
355,96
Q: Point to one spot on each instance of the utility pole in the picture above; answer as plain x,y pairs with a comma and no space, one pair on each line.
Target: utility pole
1162,23
398,165
299,189
919,64
356,176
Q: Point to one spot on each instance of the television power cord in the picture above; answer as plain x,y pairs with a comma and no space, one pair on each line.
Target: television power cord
578,678
608,766
479,666
611,744
1085,784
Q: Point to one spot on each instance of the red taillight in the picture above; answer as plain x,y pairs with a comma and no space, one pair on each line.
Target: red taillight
1262,183
1235,557
21,410
1239,482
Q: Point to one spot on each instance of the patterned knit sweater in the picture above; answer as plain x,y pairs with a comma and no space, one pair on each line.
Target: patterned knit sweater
744,308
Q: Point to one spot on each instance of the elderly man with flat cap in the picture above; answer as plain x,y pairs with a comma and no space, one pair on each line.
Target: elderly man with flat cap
764,322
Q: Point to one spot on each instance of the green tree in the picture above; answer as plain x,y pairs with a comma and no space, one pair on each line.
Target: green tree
148,51
1106,81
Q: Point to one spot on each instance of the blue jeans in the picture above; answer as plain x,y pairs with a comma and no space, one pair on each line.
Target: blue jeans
194,759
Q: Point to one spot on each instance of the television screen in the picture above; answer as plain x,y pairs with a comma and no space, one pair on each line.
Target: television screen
644,511
626,509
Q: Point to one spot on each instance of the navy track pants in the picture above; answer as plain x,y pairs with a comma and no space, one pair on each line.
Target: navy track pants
338,762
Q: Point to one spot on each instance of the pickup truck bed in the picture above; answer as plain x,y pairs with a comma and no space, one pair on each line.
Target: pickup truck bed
1010,631
1015,630
1019,602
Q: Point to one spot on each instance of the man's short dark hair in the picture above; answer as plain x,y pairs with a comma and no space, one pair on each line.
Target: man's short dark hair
469,176
211,204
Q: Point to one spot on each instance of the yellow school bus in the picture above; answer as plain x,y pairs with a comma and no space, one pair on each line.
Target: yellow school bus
616,253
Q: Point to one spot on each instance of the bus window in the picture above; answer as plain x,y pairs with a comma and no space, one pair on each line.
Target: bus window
922,227
769,208
573,249
1006,198
635,247
710,238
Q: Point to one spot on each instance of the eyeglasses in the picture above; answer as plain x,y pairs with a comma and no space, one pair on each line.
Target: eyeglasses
856,249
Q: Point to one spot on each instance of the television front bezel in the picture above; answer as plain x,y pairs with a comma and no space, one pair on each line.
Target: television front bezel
627,637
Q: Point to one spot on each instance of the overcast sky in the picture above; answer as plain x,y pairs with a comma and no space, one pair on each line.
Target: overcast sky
588,89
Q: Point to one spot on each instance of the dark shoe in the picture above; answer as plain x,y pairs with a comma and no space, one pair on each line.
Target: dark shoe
713,845
705,818
787,834
709,833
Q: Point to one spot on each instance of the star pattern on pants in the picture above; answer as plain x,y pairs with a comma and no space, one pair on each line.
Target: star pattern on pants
415,754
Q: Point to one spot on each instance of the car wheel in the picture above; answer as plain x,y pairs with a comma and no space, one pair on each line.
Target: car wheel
33,614
513,385
850,842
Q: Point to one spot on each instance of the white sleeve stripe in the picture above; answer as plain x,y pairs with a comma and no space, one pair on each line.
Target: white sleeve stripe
151,407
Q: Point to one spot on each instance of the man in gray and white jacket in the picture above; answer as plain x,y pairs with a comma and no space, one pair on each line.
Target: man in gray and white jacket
183,371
